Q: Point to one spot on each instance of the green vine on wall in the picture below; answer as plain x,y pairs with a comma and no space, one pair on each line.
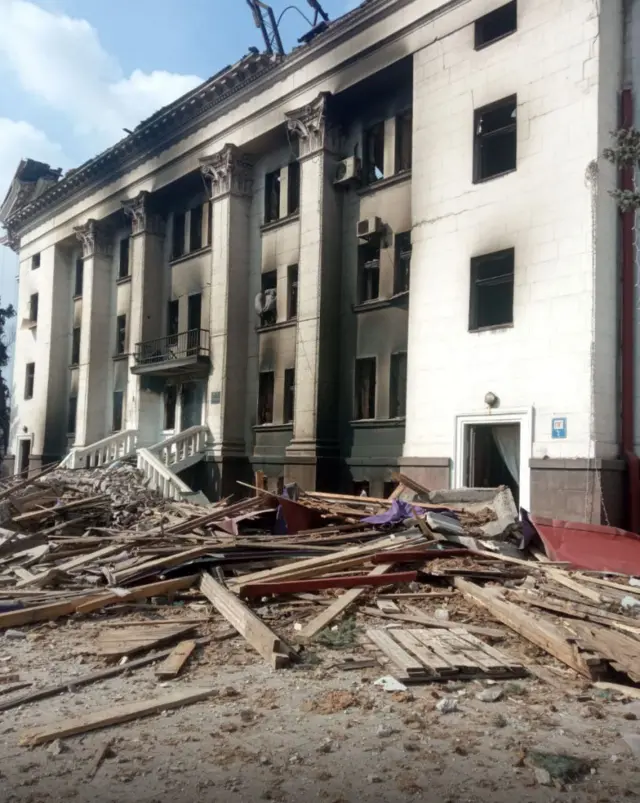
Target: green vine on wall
625,152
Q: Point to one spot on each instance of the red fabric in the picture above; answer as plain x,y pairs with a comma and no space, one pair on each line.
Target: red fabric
590,546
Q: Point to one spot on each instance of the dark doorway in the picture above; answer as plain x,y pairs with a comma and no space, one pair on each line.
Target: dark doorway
191,400
24,456
493,457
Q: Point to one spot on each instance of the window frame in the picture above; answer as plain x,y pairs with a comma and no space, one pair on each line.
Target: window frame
124,258
359,361
292,291
485,18
262,418
182,217
78,279
75,345
399,260
293,188
289,396
36,261
365,274
169,403
72,408
29,380
121,335
120,395
368,163
477,262
398,391
272,179
479,139
401,118
198,209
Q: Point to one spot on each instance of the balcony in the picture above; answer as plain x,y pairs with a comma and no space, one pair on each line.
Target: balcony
172,355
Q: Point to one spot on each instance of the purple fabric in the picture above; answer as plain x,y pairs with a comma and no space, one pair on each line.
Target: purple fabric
399,511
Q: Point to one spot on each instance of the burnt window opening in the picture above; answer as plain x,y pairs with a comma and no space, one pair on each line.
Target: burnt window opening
177,244
173,321
365,388
194,322
404,136
360,488
170,401
293,189
195,229
402,262
123,267
373,151
289,394
208,224
496,25
388,488
491,297
121,334
118,410
33,308
75,346
72,415
265,397
398,385
495,139
368,271
78,280
29,379
35,262
269,314
292,291
272,197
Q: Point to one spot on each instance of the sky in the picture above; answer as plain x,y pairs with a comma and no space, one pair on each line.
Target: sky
74,73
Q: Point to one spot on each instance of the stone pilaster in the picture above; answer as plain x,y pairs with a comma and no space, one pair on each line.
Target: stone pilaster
93,379
230,178
313,451
143,408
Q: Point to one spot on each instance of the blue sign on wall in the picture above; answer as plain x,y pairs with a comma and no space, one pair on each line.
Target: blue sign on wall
558,428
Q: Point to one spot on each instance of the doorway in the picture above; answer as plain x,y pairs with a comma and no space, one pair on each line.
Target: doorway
191,403
493,457
24,456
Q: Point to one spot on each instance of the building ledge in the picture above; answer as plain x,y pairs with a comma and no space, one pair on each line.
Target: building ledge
124,279
282,221
496,175
190,255
383,183
377,423
272,327
497,328
273,427
380,303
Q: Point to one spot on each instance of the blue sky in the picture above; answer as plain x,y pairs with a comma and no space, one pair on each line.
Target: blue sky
73,73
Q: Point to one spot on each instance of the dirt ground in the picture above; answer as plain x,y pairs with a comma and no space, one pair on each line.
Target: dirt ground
314,732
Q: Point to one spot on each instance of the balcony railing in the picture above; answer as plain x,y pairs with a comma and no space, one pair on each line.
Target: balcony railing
171,353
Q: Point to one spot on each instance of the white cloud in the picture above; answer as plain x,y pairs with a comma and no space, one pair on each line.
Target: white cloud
60,60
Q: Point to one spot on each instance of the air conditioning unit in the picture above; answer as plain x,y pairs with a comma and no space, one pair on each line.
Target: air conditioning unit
370,227
347,171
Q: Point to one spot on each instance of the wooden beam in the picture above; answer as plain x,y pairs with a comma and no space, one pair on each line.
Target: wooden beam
95,603
112,716
420,618
559,577
36,515
42,613
610,584
319,583
251,627
165,563
173,663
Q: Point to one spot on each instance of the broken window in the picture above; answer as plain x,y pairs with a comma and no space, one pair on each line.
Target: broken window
29,379
404,132
293,189
195,229
398,385
77,288
495,139
388,488
73,414
365,387
289,394
33,308
178,246
173,321
496,25
123,268
373,151
368,271
491,297
75,346
118,409
272,196
292,291
170,400
194,321
35,261
269,307
265,397
402,262
207,210
360,488
121,334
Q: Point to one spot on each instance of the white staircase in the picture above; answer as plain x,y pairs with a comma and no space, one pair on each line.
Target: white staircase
116,447
161,463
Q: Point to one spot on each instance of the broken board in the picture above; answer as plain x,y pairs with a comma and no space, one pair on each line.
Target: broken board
128,641
171,666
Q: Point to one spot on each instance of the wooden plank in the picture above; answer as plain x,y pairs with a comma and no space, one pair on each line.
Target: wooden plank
504,658
435,641
36,515
42,613
245,621
412,484
125,643
398,655
176,559
419,618
23,684
560,577
473,650
112,716
171,666
388,606
318,583
628,691
96,602
320,621
29,481
536,629
409,640
633,590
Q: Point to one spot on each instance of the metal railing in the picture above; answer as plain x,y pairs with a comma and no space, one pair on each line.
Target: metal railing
194,343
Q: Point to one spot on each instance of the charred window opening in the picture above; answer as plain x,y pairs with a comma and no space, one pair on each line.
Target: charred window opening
121,334
289,394
208,225
404,134
496,25
29,380
368,271
402,262
123,267
373,151
265,397
293,189
195,229
33,308
173,318
72,415
75,346
365,386
35,262
178,245
194,321
269,313
78,279
398,385
388,488
118,409
292,291
170,401
360,488
272,197
491,297
495,138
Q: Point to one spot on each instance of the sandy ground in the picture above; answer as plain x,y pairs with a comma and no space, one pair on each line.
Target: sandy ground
314,732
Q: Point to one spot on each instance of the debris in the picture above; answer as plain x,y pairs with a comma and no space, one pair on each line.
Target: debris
14,634
389,683
562,766
384,731
543,776
447,705
629,602
490,695
57,747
